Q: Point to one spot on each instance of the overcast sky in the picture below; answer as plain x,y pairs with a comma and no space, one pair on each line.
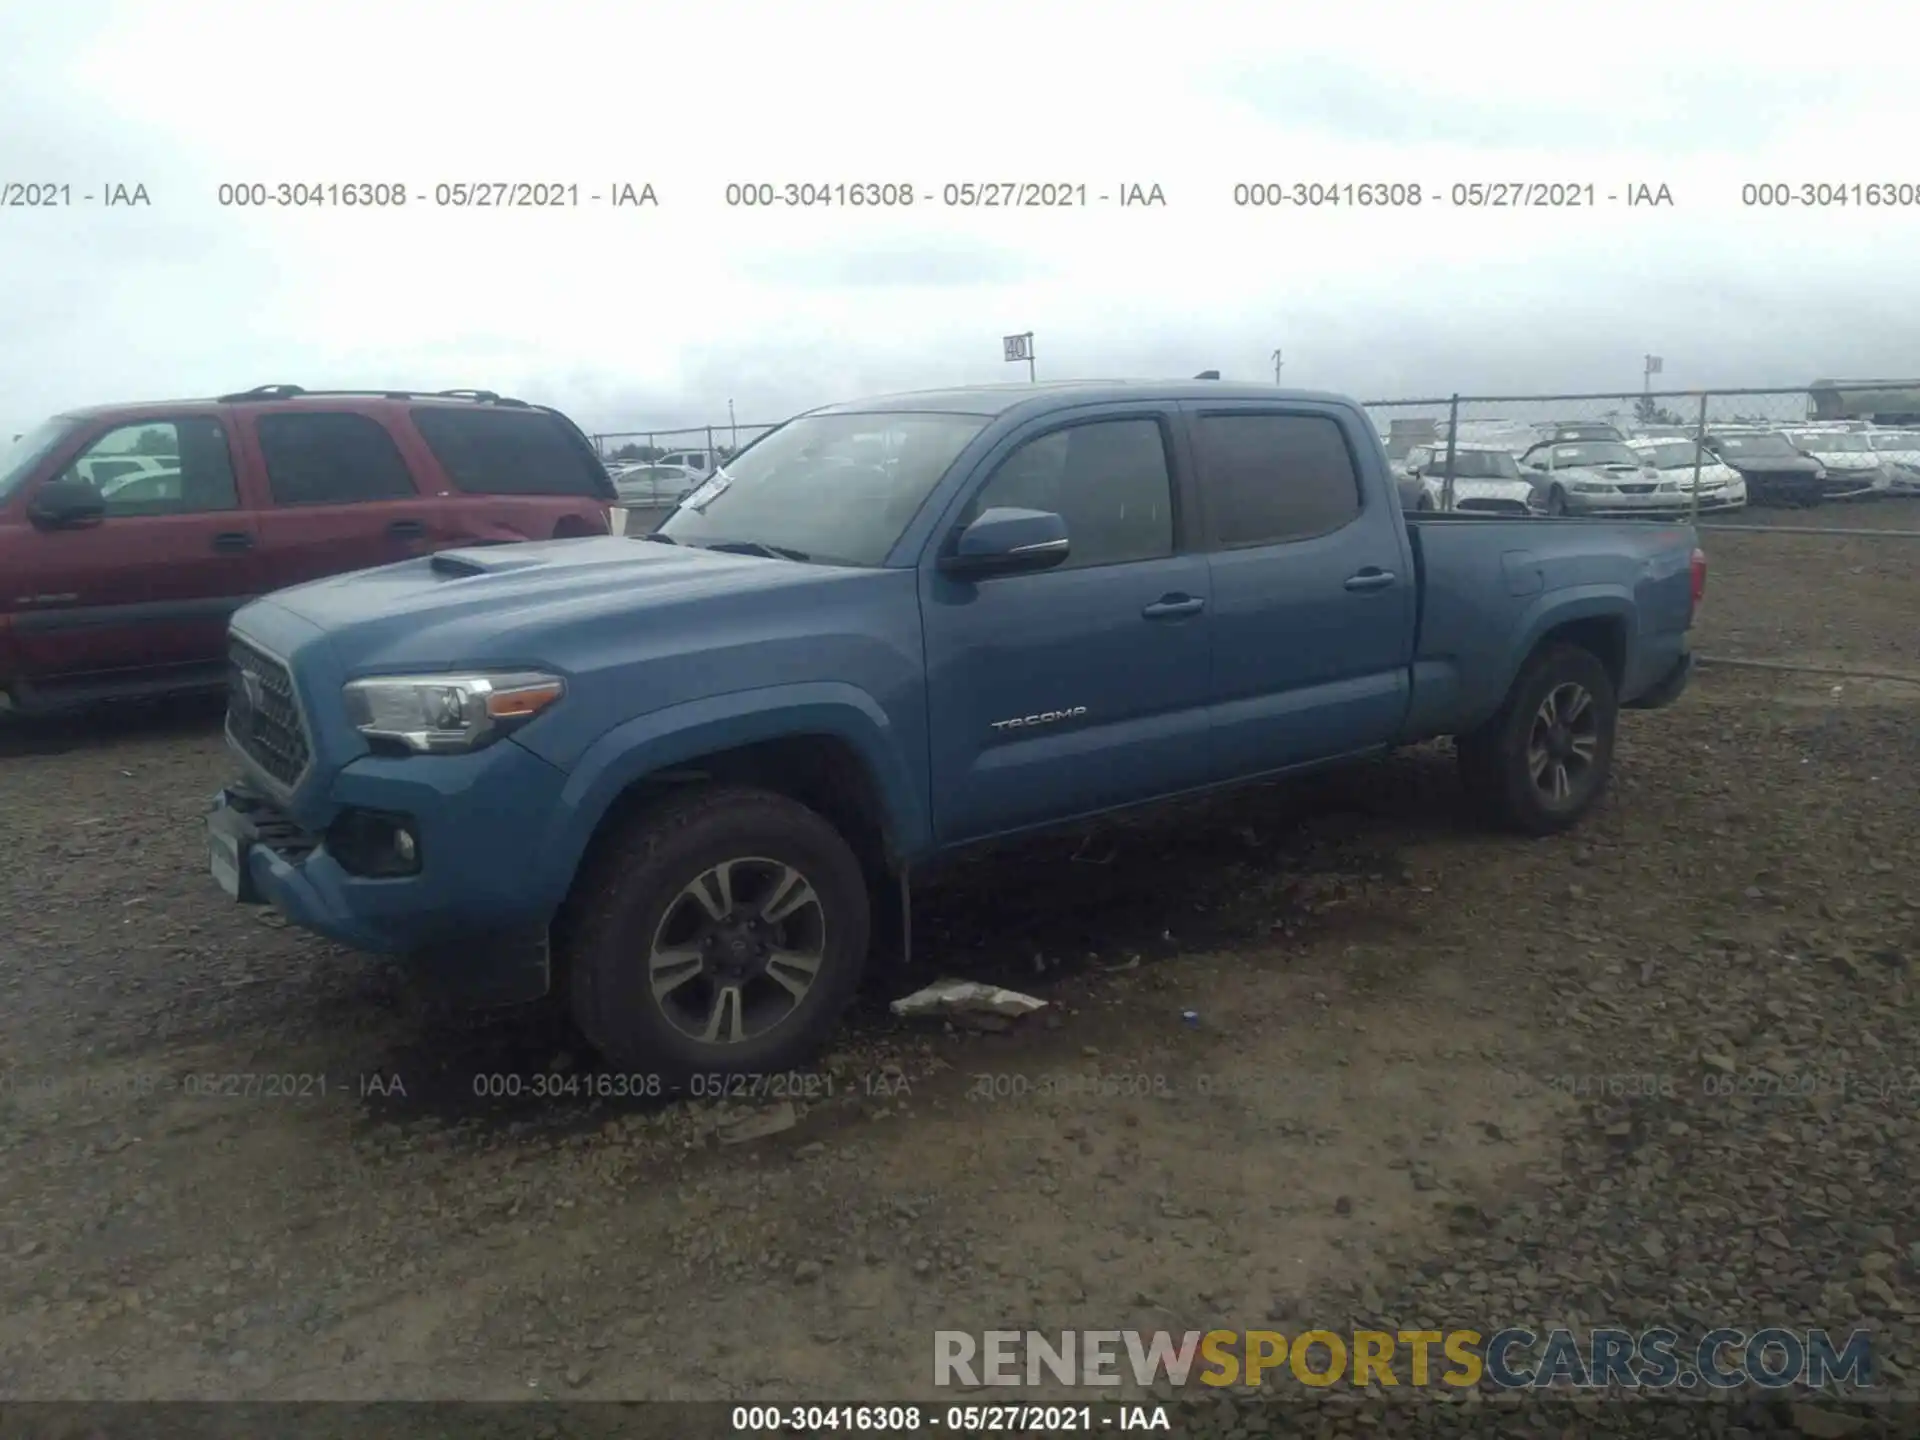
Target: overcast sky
641,318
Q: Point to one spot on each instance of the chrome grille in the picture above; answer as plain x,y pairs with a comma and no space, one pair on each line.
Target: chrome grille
263,719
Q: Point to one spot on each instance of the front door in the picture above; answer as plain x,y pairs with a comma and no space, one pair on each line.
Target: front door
1074,689
148,590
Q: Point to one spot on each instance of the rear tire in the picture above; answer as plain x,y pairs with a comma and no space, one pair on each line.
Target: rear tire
723,931
1544,760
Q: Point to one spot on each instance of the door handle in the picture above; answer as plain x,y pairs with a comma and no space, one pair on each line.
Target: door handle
1171,606
1370,578
230,540
408,530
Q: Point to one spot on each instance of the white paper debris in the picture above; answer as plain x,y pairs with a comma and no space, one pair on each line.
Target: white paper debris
966,997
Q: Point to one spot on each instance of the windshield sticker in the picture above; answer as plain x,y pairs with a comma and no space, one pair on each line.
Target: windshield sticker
708,493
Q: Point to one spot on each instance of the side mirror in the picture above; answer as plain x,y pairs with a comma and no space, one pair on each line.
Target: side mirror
1006,541
67,503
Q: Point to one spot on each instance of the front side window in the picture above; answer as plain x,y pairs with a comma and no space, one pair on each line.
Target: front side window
331,458
1108,479
169,467
1273,478
814,489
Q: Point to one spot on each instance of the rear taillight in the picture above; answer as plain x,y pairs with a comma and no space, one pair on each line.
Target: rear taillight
1699,575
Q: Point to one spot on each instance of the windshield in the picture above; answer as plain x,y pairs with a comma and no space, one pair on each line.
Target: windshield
28,451
1896,441
1832,442
1752,445
835,488
1594,452
1676,455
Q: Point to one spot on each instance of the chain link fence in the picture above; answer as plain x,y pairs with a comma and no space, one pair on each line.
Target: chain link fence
712,442
1704,455
1807,500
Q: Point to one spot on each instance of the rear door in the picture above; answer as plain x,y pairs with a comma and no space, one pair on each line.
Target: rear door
339,494
512,473
149,589
1313,595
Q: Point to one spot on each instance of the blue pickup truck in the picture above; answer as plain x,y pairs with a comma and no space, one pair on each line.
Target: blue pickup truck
683,778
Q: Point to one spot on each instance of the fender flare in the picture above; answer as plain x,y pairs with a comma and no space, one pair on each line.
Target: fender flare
679,734
1549,612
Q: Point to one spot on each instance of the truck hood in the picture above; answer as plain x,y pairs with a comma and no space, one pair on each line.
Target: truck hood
1773,464
1608,474
493,603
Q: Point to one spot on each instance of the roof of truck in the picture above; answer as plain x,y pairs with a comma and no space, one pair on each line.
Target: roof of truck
1058,394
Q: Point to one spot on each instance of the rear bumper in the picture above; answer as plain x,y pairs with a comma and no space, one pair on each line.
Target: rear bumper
1669,688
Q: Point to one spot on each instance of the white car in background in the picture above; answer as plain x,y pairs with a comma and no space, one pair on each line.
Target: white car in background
1721,487
105,470
1899,451
698,461
655,484
1854,468
1486,479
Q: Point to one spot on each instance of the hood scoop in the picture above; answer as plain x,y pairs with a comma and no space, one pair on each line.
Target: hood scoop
491,560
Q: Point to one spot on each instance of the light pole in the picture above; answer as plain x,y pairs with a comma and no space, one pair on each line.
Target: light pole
734,427
1277,365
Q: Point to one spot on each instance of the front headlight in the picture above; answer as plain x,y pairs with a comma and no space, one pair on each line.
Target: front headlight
437,714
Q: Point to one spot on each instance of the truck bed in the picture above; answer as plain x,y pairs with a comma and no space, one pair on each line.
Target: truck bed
1485,584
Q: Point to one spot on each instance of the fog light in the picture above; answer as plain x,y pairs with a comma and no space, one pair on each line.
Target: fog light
374,844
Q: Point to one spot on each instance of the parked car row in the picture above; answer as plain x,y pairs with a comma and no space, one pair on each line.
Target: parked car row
1596,468
130,533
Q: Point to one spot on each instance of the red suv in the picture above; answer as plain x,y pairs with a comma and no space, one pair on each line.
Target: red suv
129,533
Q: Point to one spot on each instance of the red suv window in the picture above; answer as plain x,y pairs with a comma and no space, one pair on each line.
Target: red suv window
327,458
511,452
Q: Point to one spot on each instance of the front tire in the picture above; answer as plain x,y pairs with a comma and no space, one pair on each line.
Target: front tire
1557,503
724,931
1544,760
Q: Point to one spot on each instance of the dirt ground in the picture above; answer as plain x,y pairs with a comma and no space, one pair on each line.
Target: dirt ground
1659,1071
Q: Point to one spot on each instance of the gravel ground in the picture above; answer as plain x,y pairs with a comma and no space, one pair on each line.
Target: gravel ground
1661,1071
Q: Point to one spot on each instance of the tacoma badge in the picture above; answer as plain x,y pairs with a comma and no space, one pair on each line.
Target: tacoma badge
1045,717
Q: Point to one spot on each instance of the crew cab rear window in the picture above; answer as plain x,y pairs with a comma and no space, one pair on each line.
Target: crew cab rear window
509,452
329,458
1273,478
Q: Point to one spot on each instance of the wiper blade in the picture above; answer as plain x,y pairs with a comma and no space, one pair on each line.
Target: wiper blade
757,547
658,538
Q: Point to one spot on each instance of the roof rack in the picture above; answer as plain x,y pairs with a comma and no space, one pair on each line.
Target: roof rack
291,392
262,392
